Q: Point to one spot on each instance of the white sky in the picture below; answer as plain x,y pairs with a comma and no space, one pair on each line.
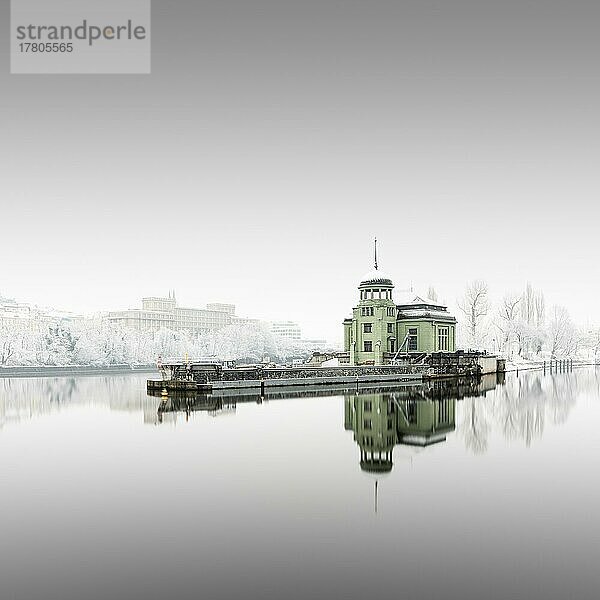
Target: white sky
265,151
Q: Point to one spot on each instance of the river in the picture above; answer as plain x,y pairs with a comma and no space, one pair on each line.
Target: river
452,489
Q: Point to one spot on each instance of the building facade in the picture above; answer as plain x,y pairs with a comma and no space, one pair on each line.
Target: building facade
381,330
16,316
157,313
286,329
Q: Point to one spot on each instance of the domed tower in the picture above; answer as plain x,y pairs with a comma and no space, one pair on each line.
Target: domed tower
370,335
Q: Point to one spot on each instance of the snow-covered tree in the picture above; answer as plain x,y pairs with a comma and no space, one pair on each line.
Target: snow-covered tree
593,343
562,334
475,306
507,322
8,345
533,315
432,294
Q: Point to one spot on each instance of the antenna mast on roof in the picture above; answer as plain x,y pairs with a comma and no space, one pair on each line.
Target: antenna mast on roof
376,254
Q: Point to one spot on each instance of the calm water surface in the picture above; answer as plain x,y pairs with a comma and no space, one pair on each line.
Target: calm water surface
458,491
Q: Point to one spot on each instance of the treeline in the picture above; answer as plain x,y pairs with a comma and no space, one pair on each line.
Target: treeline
99,343
522,326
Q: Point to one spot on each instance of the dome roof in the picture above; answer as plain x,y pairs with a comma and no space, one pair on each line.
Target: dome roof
376,276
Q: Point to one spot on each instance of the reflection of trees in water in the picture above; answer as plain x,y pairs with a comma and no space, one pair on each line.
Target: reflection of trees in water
26,398
521,407
475,426
597,381
2,406
23,398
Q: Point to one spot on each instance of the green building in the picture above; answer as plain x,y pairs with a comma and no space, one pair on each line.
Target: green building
381,330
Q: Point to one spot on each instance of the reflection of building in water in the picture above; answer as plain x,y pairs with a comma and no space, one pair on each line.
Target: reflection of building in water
413,416
425,422
170,406
372,418
520,408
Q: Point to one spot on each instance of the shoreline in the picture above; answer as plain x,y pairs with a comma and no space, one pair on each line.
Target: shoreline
58,371
80,370
512,367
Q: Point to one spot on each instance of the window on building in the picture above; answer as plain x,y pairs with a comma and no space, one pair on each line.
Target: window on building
390,327
392,345
368,406
367,424
368,346
413,339
367,327
443,339
371,311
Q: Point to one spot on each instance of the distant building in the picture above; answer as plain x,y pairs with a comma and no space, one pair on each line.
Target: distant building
325,359
157,313
380,329
19,316
286,329
12,313
221,307
247,321
317,344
